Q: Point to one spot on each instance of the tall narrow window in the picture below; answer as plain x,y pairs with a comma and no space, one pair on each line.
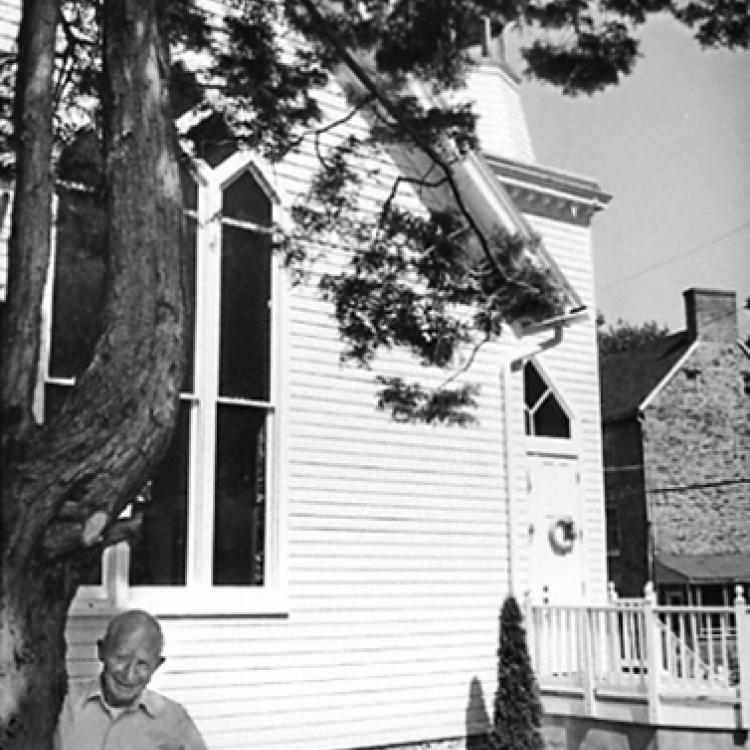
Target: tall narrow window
77,303
6,203
227,403
544,415
208,513
78,290
158,555
244,386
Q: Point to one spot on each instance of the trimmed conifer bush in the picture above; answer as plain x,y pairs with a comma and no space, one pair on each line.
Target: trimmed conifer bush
518,708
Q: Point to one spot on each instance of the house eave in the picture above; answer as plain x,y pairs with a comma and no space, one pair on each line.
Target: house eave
550,193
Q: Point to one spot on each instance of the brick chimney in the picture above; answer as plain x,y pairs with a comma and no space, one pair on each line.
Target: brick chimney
711,315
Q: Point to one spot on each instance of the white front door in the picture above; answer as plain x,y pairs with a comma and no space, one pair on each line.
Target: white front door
555,540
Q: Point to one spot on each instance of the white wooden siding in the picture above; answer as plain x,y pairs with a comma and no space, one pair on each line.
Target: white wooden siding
10,17
501,124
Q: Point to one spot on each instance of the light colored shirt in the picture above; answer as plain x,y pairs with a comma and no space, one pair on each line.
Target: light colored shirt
156,723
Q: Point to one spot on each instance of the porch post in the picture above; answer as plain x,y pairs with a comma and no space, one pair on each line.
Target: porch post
743,655
653,652
585,616
612,595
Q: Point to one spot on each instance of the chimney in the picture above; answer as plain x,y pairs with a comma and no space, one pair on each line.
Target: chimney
711,315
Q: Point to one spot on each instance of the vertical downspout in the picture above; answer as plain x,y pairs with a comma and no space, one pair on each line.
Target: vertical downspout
507,391
650,531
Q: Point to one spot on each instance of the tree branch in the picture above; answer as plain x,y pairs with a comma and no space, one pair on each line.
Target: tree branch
466,365
370,86
317,132
61,539
30,234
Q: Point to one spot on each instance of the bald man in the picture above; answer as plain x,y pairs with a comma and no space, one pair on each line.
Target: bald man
118,711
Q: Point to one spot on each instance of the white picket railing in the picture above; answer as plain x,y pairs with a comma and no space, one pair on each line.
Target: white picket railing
654,654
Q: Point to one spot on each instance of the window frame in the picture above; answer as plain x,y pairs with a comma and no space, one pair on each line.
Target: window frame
546,443
199,596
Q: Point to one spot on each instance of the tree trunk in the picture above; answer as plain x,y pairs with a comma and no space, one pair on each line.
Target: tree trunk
33,612
65,484
30,237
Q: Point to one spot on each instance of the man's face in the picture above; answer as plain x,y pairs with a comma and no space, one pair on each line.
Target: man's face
130,656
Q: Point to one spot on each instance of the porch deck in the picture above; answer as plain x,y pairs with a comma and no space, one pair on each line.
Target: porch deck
631,660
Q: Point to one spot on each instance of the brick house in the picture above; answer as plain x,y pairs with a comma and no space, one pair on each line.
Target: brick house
677,458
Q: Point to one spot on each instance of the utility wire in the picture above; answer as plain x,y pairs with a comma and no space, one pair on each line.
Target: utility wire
679,256
700,486
704,454
685,487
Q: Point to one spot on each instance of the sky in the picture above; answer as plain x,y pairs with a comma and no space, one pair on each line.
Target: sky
671,145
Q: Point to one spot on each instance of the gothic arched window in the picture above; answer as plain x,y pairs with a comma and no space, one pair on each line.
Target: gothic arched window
544,415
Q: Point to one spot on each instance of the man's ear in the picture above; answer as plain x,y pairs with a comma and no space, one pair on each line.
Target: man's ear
161,661
100,649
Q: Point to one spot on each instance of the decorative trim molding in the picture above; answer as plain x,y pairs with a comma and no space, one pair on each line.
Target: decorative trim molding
549,193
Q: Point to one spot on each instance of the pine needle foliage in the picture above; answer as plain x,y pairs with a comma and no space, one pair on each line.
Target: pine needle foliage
624,337
518,709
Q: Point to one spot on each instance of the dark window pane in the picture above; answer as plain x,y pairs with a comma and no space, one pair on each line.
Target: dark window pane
244,199
713,595
550,420
213,139
189,255
79,283
158,555
92,574
54,396
189,189
245,314
613,530
79,286
240,496
533,385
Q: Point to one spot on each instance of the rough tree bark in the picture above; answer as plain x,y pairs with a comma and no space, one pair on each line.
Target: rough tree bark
29,246
65,483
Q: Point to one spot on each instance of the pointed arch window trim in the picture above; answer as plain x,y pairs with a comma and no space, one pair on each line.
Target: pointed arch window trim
262,171
549,394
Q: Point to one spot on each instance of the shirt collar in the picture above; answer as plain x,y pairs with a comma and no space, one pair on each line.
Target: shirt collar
149,701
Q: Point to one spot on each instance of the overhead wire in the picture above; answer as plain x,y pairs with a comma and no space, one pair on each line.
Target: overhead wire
679,256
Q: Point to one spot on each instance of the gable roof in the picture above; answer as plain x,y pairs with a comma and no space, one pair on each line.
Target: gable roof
627,378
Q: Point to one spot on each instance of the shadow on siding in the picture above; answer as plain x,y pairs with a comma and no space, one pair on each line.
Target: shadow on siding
478,724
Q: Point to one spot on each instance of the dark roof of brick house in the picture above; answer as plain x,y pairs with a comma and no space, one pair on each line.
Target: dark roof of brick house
626,378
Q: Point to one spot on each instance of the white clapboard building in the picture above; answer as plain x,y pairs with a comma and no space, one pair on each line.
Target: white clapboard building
328,578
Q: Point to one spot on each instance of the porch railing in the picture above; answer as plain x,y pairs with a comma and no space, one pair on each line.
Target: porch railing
635,650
